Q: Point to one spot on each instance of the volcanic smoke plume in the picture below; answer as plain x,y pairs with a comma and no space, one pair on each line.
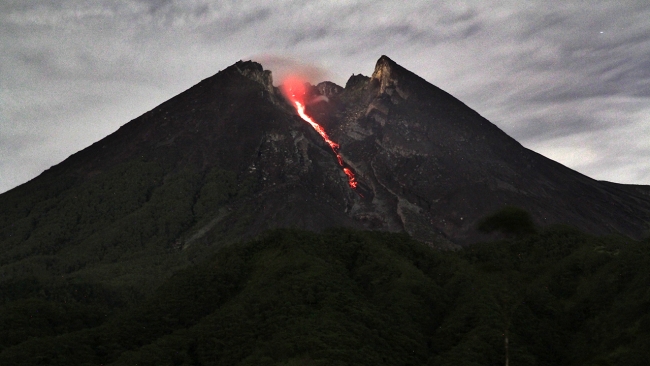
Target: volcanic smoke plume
294,90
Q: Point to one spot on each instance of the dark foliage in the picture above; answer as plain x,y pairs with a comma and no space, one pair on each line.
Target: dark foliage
508,220
345,297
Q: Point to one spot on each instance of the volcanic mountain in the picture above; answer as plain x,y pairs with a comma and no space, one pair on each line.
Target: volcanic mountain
98,255
230,158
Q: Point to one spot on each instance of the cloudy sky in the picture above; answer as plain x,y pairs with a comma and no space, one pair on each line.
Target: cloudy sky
568,79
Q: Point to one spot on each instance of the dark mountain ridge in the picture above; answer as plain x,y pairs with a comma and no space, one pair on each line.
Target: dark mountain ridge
449,166
426,163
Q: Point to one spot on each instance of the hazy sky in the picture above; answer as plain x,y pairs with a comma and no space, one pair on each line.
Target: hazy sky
568,79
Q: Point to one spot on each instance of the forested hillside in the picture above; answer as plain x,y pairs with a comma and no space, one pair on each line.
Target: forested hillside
343,297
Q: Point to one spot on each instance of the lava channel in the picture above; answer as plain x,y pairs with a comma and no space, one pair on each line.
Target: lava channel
294,89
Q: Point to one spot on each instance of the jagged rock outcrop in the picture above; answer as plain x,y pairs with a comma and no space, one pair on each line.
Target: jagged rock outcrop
328,89
256,72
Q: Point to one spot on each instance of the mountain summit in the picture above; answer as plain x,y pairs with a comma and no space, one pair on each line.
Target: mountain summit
230,158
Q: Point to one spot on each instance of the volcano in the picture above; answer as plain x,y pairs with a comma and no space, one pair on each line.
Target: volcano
117,255
230,158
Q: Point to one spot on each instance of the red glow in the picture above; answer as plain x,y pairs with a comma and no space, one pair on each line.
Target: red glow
352,181
294,89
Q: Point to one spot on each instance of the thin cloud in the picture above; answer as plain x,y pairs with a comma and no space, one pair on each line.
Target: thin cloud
561,78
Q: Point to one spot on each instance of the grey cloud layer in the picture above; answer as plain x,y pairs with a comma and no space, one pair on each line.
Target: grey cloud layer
567,79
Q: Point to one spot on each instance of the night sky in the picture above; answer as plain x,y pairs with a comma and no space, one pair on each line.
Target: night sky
570,80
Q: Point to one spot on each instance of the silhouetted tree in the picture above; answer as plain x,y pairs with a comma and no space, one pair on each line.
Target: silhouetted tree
509,220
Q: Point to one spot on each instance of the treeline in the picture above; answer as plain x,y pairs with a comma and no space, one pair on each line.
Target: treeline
552,297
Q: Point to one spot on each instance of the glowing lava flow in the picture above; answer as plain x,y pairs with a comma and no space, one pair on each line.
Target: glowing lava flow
294,89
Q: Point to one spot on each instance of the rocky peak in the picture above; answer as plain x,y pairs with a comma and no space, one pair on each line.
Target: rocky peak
387,77
356,81
384,73
328,88
255,72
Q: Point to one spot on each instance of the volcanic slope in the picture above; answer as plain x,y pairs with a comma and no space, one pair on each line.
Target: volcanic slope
230,158
220,162
436,167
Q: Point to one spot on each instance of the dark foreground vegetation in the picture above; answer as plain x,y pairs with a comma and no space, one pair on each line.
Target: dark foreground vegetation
559,297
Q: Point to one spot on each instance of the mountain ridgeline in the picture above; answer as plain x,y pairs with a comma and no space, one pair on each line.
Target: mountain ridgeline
152,244
231,158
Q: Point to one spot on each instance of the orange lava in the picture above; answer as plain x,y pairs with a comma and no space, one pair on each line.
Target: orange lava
294,89
352,181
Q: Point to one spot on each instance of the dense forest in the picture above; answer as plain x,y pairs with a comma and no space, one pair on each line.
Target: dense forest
552,296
